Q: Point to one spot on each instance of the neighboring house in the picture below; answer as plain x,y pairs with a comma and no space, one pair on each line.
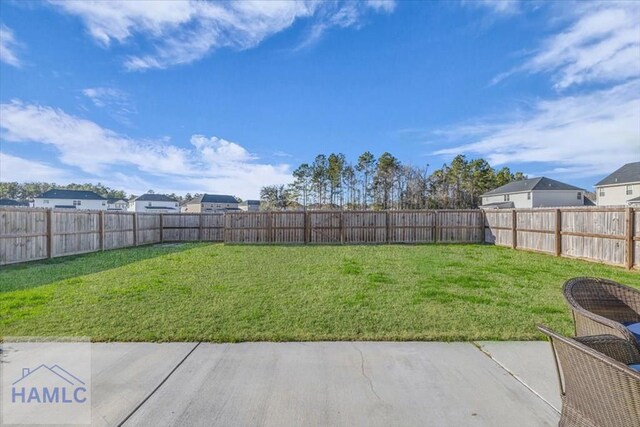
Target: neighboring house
70,199
117,205
154,203
250,205
13,203
621,188
211,203
534,193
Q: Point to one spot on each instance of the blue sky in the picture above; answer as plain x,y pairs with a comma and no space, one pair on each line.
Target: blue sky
227,97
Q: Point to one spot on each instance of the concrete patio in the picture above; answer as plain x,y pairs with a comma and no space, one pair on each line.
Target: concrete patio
325,383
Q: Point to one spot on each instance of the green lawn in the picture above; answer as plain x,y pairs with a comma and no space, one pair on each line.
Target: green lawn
212,292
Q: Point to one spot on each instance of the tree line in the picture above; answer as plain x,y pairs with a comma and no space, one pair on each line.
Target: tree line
332,182
28,190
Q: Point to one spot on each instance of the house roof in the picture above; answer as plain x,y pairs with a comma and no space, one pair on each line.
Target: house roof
65,206
11,202
149,197
540,183
634,200
213,198
625,174
70,194
588,202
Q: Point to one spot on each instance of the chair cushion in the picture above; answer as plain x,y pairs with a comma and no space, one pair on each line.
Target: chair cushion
634,328
635,367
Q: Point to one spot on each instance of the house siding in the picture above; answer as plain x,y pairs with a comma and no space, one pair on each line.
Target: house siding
616,195
556,198
98,205
141,206
519,199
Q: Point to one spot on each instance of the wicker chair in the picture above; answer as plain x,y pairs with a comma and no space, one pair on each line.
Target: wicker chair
596,386
601,306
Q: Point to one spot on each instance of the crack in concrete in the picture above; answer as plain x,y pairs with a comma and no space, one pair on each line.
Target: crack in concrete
514,376
364,374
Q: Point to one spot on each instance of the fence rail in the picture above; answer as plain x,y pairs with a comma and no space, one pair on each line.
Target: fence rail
609,235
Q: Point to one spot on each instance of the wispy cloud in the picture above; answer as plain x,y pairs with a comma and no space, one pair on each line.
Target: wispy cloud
117,102
185,31
20,170
502,7
206,164
601,45
8,47
586,134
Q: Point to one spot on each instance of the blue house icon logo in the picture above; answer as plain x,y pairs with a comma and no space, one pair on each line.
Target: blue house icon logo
48,385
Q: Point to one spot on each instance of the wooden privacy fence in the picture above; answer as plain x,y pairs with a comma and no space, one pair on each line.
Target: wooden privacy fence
28,234
354,227
608,235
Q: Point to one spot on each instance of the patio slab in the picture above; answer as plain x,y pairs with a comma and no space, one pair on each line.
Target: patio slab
343,384
530,362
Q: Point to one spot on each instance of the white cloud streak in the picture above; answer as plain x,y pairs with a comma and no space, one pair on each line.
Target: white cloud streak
17,169
185,31
207,164
601,45
8,47
584,135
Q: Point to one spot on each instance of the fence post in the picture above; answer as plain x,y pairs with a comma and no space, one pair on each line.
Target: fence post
558,232
387,226
483,225
135,229
342,227
514,229
49,233
630,234
161,228
307,228
200,226
101,227
270,238
435,226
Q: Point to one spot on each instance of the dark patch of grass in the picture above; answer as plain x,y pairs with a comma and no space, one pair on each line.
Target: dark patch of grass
212,292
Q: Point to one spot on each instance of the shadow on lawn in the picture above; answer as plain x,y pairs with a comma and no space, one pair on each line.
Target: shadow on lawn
39,273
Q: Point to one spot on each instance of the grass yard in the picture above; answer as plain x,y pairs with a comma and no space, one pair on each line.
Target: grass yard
212,292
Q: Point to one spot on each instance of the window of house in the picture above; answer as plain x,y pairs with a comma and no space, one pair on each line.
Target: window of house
528,196
601,193
77,202
148,203
579,195
629,190
46,202
506,197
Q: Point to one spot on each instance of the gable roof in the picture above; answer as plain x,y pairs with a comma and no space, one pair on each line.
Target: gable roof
112,201
70,194
625,174
540,183
213,198
149,197
11,202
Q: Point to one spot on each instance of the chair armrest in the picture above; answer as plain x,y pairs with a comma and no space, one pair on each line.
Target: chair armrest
614,347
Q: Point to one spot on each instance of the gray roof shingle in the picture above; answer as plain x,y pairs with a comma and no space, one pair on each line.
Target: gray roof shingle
213,198
625,174
11,202
70,194
149,197
541,183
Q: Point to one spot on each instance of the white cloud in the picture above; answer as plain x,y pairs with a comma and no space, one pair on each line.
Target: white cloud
584,135
502,7
115,101
184,31
8,47
208,164
601,45
18,169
